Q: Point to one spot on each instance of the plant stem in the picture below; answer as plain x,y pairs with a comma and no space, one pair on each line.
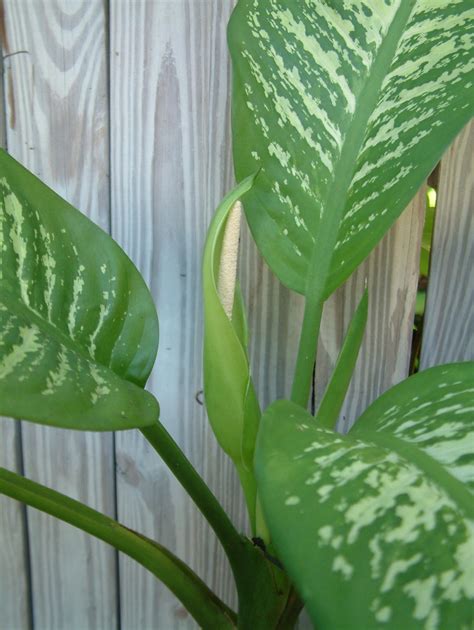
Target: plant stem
318,274
292,611
197,489
206,608
262,588
249,486
307,350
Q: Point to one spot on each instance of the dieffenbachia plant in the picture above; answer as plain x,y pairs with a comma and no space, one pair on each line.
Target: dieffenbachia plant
340,111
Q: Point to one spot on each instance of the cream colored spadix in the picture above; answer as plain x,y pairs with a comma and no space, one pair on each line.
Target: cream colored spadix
228,263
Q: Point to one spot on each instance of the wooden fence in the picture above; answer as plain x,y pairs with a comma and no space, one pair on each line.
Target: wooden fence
123,108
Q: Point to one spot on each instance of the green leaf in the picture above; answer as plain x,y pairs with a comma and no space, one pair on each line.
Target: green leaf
382,519
345,108
336,390
78,328
432,410
231,402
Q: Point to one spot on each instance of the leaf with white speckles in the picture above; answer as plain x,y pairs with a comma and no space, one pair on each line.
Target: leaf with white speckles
433,410
345,107
78,328
381,519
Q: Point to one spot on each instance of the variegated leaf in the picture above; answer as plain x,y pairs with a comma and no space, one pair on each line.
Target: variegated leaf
382,519
78,328
345,107
439,424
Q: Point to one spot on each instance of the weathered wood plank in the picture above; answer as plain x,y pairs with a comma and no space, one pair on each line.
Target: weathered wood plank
275,316
57,126
14,590
391,272
170,166
449,318
14,587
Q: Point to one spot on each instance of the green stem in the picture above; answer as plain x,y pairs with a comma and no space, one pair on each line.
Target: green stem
199,492
316,294
307,351
290,615
206,608
261,587
249,486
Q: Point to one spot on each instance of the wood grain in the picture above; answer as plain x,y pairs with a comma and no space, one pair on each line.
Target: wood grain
170,166
275,316
391,272
14,585
57,126
449,318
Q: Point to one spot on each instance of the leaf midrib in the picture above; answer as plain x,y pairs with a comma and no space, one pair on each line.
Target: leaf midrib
334,204
455,489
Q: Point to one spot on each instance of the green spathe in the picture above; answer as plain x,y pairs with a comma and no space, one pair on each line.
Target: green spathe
231,402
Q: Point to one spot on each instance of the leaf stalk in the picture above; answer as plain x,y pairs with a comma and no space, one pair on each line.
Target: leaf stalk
206,608
186,474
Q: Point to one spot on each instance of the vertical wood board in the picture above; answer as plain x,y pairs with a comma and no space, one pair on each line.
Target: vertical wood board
275,316
14,586
57,126
14,583
448,333
170,165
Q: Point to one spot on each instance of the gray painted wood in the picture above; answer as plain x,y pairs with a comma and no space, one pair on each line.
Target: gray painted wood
170,166
449,320
14,591
14,587
57,126
391,272
275,316
176,137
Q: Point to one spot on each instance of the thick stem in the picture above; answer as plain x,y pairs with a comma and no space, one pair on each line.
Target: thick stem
201,602
199,492
318,274
263,591
262,587
307,351
249,486
292,611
